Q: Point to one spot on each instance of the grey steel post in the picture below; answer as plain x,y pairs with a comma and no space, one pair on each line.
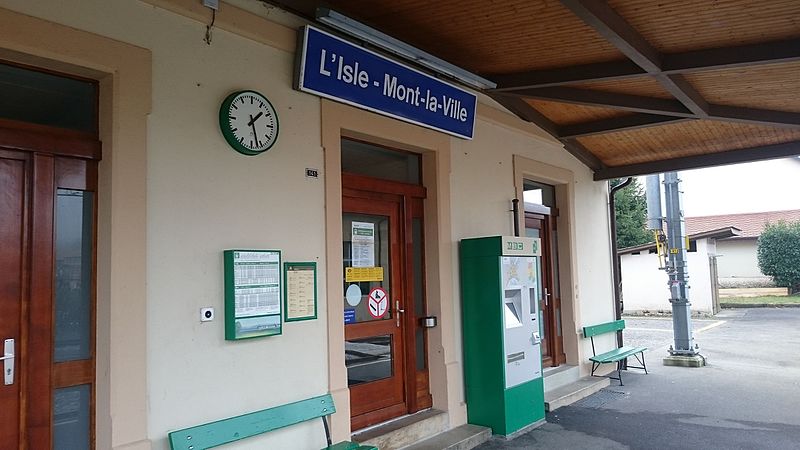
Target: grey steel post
678,272
655,217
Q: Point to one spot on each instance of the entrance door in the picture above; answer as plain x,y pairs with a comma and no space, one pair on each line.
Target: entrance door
540,225
384,296
47,222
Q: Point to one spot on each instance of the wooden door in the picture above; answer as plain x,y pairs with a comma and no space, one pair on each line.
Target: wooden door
374,305
385,351
47,259
543,226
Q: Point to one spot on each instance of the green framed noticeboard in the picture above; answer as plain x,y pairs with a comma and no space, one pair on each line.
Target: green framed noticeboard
300,291
252,293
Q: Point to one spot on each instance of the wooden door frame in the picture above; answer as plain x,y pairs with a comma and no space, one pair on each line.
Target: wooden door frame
409,197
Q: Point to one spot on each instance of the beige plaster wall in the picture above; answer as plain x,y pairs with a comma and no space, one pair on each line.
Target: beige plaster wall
201,198
483,184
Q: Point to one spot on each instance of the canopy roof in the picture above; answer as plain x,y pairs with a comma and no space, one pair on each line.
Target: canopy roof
629,86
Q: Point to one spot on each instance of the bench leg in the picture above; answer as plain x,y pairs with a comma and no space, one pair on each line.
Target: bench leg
594,367
641,361
619,372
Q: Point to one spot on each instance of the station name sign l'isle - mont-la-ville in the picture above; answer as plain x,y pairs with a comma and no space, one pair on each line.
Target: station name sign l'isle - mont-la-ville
332,67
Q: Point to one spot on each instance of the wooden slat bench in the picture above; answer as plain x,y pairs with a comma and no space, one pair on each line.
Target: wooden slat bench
224,431
618,355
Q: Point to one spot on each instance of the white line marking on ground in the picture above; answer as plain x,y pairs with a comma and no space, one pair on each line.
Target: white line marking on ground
713,325
649,329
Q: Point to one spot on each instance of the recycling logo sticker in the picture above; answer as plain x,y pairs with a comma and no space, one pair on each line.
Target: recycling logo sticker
378,302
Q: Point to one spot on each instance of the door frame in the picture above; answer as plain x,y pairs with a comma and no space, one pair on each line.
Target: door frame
444,356
409,199
564,182
125,73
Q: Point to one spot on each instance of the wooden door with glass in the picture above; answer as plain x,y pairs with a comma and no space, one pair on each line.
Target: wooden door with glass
542,226
384,284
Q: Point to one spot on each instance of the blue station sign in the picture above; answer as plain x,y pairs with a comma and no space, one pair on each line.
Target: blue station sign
334,68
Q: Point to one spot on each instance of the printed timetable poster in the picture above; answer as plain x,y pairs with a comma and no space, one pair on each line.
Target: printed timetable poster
334,68
252,293
363,244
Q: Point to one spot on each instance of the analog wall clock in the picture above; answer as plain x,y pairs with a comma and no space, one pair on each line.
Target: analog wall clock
249,122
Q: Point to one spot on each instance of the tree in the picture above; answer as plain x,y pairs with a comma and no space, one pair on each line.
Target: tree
630,208
779,254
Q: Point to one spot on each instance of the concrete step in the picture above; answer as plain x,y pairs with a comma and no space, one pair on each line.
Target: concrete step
464,437
559,376
404,431
571,393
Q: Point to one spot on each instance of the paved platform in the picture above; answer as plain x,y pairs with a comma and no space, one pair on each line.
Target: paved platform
747,396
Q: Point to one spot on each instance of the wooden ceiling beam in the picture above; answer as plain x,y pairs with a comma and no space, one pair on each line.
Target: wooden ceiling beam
685,93
728,57
764,152
616,124
526,112
603,19
671,64
661,106
784,119
626,102
583,154
615,70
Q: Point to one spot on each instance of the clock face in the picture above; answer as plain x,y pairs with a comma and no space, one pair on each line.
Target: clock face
248,122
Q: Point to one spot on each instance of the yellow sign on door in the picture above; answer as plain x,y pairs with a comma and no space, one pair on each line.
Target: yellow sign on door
356,274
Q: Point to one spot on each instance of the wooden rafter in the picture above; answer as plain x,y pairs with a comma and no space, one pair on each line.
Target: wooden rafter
662,106
671,64
616,124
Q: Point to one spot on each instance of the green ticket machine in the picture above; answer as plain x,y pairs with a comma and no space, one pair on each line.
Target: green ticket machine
500,283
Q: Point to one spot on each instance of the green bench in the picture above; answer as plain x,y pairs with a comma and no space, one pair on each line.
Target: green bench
618,355
224,431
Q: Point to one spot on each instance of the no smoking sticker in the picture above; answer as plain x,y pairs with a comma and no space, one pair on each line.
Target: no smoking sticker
378,302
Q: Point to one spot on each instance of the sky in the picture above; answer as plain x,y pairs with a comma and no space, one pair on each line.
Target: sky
751,187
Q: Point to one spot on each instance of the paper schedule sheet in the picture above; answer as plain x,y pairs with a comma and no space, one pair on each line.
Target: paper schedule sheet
301,296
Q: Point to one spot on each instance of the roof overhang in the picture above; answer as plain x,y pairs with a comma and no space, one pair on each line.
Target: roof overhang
630,87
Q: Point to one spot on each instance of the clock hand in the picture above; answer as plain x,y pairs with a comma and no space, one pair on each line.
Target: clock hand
253,126
253,119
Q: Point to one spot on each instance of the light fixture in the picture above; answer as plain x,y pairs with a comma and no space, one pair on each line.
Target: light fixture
372,36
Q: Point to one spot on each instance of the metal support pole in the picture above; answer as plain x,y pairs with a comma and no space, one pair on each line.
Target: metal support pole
677,269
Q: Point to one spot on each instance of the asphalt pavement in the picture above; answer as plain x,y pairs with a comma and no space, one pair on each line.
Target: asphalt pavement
747,396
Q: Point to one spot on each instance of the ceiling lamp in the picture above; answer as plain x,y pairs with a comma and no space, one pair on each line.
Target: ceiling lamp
383,41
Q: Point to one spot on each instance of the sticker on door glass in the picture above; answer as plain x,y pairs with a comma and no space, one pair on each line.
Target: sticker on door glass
353,295
378,302
358,274
363,244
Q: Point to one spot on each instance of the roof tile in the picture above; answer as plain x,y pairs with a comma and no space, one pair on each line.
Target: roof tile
751,224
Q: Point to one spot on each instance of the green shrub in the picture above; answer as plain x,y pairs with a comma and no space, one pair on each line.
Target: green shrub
779,254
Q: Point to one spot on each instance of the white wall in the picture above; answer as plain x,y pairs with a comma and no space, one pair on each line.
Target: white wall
645,287
738,258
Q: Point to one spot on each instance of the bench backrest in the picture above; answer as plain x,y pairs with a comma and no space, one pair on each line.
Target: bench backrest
603,328
248,425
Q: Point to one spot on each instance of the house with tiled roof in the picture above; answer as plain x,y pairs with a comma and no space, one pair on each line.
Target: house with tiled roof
722,253
737,261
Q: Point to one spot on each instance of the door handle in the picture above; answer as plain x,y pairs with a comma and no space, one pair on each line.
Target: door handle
8,361
398,310
546,297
